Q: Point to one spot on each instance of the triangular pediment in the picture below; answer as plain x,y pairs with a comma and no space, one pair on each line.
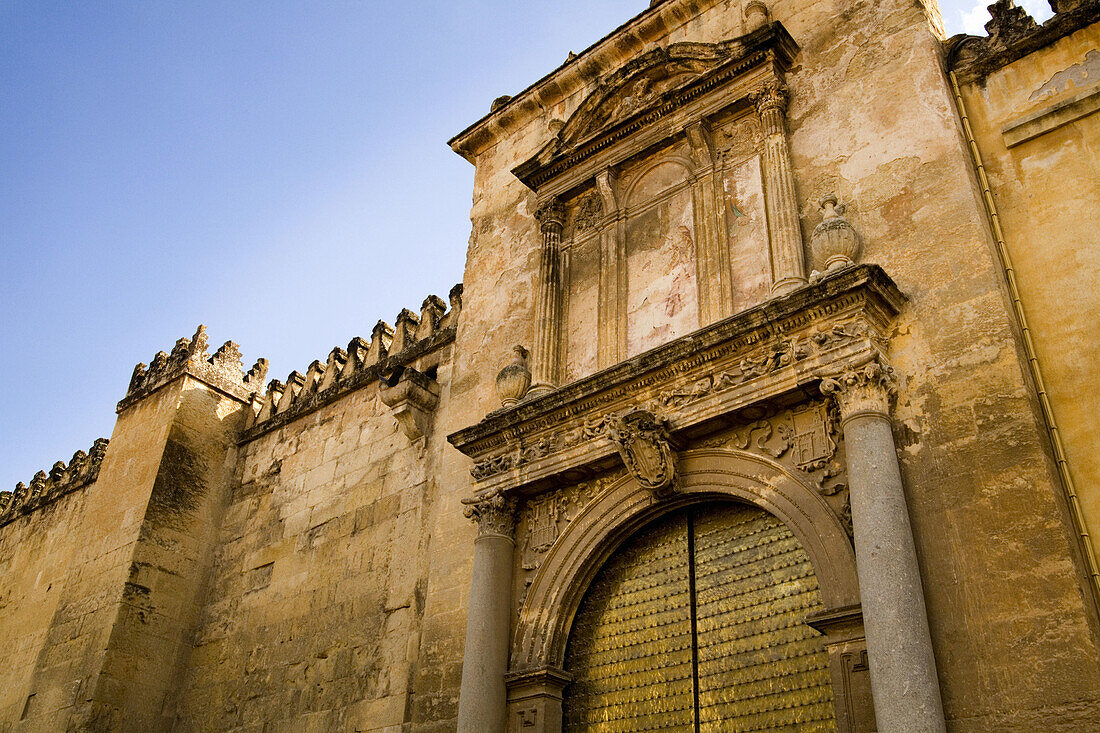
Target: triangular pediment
648,87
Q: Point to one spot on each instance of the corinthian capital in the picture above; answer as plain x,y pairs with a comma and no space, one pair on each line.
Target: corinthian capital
771,96
495,515
550,213
868,388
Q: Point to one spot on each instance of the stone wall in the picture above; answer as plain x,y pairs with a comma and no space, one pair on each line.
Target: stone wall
871,119
1035,124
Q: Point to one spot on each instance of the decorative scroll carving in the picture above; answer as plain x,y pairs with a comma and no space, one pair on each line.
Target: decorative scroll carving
645,445
869,388
495,515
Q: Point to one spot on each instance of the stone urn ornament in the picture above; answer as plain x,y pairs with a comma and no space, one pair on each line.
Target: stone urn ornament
835,242
514,380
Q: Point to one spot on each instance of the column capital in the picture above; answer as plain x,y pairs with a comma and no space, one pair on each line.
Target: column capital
494,513
868,388
771,96
550,214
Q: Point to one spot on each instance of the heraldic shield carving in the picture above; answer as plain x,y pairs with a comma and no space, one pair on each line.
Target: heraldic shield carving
645,446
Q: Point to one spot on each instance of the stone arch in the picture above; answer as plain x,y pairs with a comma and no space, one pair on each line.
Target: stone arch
606,522
630,194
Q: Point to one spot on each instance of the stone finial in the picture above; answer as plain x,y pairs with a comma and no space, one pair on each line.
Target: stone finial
1008,22
295,381
756,15
495,515
835,243
455,298
500,102
381,338
514,380
868,388
314,374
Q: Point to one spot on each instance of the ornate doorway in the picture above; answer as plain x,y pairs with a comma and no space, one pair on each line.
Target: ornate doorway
697,623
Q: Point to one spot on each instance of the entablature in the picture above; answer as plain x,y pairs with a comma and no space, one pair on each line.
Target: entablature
777,352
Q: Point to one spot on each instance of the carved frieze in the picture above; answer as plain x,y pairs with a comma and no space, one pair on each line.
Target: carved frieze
589,212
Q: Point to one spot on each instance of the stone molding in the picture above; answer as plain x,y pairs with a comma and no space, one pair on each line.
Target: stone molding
190,357
865,389
1014,34
390,349
494,513
81,471
780,347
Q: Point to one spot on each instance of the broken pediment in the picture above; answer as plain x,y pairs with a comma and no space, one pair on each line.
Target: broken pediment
649,88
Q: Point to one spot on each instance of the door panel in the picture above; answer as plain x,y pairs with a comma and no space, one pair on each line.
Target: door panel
630,648
698,624
760,666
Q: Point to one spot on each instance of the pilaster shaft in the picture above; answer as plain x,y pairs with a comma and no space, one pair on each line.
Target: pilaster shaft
483,697
904,683
784,233
546,361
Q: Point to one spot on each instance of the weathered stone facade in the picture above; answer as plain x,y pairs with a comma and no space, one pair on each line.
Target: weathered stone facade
804,317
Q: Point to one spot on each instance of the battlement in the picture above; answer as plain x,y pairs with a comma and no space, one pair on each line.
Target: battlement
223,370
82,470
363,362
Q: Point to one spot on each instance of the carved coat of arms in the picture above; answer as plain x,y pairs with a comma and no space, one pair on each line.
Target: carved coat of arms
645,446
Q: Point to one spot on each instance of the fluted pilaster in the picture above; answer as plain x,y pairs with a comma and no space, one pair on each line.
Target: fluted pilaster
784,233
546,354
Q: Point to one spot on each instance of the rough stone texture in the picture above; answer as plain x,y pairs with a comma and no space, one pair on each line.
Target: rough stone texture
299,559
1036,125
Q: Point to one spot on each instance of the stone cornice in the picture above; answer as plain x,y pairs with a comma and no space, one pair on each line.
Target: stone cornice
778,348
607,54
1013,34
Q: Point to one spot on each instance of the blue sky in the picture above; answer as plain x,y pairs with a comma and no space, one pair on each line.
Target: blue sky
276,170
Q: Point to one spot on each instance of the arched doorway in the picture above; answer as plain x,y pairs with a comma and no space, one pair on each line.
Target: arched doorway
697,622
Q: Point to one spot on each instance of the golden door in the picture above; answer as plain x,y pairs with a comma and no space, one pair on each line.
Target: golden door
697,623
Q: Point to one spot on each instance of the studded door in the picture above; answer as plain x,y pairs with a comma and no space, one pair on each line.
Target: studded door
697,624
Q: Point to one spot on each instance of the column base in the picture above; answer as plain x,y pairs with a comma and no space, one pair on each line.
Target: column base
787,284
539,390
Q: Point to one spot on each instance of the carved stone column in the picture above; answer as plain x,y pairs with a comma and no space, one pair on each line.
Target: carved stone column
784,233
483,697
546,362
904,683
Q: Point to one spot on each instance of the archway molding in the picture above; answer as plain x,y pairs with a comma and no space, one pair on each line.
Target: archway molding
546,616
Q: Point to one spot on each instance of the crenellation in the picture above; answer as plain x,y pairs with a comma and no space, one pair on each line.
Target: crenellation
404,330
82,470
223,370
390,350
